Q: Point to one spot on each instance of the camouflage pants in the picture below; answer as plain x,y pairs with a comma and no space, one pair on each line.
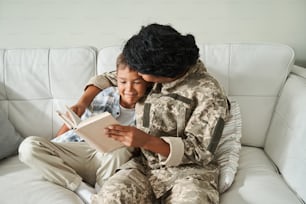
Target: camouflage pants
125,186
130,186
191,190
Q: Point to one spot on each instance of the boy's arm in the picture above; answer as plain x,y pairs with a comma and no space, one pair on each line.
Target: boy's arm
62,130
80,107
92,88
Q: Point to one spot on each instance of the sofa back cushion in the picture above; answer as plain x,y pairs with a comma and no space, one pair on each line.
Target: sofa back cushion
286,139
252,74
36,82
9,137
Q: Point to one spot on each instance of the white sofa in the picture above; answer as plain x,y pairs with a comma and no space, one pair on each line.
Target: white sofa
270,90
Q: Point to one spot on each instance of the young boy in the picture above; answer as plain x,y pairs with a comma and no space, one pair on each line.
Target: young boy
70,162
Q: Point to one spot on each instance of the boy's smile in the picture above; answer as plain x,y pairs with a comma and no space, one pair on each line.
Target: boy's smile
131,86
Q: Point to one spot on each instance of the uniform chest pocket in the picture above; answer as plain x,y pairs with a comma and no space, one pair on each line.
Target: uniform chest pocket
167,115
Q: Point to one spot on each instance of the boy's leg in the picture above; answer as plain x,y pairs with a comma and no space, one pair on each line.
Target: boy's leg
127,186
62,163
108,163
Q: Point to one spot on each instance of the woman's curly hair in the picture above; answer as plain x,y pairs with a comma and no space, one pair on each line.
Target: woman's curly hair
160,50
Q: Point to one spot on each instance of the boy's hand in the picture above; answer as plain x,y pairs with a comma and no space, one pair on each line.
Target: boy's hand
79,109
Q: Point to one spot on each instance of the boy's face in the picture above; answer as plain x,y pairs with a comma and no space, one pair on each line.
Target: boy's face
131,86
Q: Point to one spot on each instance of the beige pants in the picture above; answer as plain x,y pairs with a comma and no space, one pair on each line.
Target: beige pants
67,164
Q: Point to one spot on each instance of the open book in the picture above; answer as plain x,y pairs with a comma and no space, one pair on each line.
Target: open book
92,129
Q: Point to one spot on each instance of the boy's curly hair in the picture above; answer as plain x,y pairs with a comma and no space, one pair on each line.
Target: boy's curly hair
160,50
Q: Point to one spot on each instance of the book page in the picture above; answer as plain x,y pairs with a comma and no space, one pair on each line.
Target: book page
94,118
92,130
73,116
66,120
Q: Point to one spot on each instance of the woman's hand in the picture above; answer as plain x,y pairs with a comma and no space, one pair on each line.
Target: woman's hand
128,135
133,137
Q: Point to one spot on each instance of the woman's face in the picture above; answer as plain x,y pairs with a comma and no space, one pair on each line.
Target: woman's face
131,86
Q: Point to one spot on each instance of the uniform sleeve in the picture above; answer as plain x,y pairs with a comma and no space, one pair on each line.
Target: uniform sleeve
103,81
176,151
199,134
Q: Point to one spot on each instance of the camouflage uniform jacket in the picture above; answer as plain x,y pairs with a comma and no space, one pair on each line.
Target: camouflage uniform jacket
184,114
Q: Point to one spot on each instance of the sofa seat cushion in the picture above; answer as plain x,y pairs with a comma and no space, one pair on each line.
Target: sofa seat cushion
20,184
257,175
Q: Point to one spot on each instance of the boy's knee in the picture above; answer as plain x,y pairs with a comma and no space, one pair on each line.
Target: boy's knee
122,155
27,148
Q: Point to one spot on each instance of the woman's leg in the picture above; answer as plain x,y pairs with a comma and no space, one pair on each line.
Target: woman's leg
127,186
193,190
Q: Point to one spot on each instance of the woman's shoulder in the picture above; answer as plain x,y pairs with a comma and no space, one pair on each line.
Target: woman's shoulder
201,84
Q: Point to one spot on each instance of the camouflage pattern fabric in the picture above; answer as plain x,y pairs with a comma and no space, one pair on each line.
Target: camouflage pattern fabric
188,108
132,186
126,186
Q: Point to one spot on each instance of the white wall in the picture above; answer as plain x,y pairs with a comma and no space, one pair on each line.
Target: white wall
100,23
